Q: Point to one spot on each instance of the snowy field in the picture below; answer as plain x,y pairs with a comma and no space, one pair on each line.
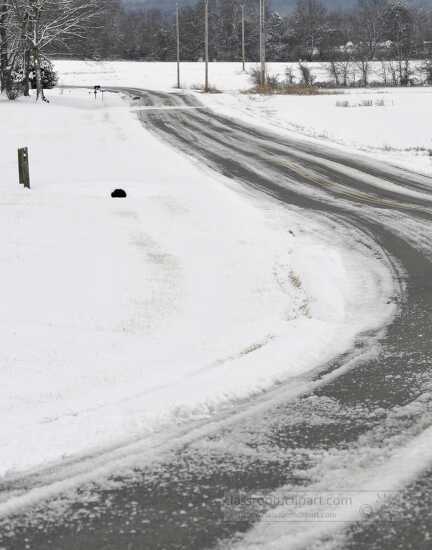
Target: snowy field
226,77
390,124
120,318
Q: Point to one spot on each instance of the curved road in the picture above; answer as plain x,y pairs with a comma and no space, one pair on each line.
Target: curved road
384,401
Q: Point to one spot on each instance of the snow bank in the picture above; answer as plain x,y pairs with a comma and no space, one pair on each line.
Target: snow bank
120,317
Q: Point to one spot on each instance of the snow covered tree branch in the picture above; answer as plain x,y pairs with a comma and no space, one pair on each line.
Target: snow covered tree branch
29,27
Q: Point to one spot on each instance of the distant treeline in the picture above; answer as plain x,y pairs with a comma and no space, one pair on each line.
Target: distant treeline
373,29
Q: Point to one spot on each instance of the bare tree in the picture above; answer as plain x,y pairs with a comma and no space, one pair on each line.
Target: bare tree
4,46
309,24
370,22
20,53
50,24
400,30
364,66
340,71
307,77
384,72
333,71
10,48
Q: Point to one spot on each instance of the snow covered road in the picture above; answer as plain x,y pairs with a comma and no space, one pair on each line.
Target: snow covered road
329,427
120,319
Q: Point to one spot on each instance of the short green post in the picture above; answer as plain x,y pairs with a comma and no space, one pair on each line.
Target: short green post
23,167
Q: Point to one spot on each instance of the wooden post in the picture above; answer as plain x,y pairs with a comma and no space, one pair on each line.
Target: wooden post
23,167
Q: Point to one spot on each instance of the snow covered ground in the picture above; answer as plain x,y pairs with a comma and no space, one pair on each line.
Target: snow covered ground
121,317
391,124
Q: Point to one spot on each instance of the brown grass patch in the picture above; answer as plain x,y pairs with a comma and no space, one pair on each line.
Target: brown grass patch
288,90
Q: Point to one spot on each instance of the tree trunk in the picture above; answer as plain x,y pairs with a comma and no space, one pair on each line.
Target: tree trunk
26,71
38,74
4,79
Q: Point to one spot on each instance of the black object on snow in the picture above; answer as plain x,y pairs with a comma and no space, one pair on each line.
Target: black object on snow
119,194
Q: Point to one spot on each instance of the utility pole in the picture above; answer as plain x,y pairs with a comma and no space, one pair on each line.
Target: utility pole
206,24
263,41
243,38
178,44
